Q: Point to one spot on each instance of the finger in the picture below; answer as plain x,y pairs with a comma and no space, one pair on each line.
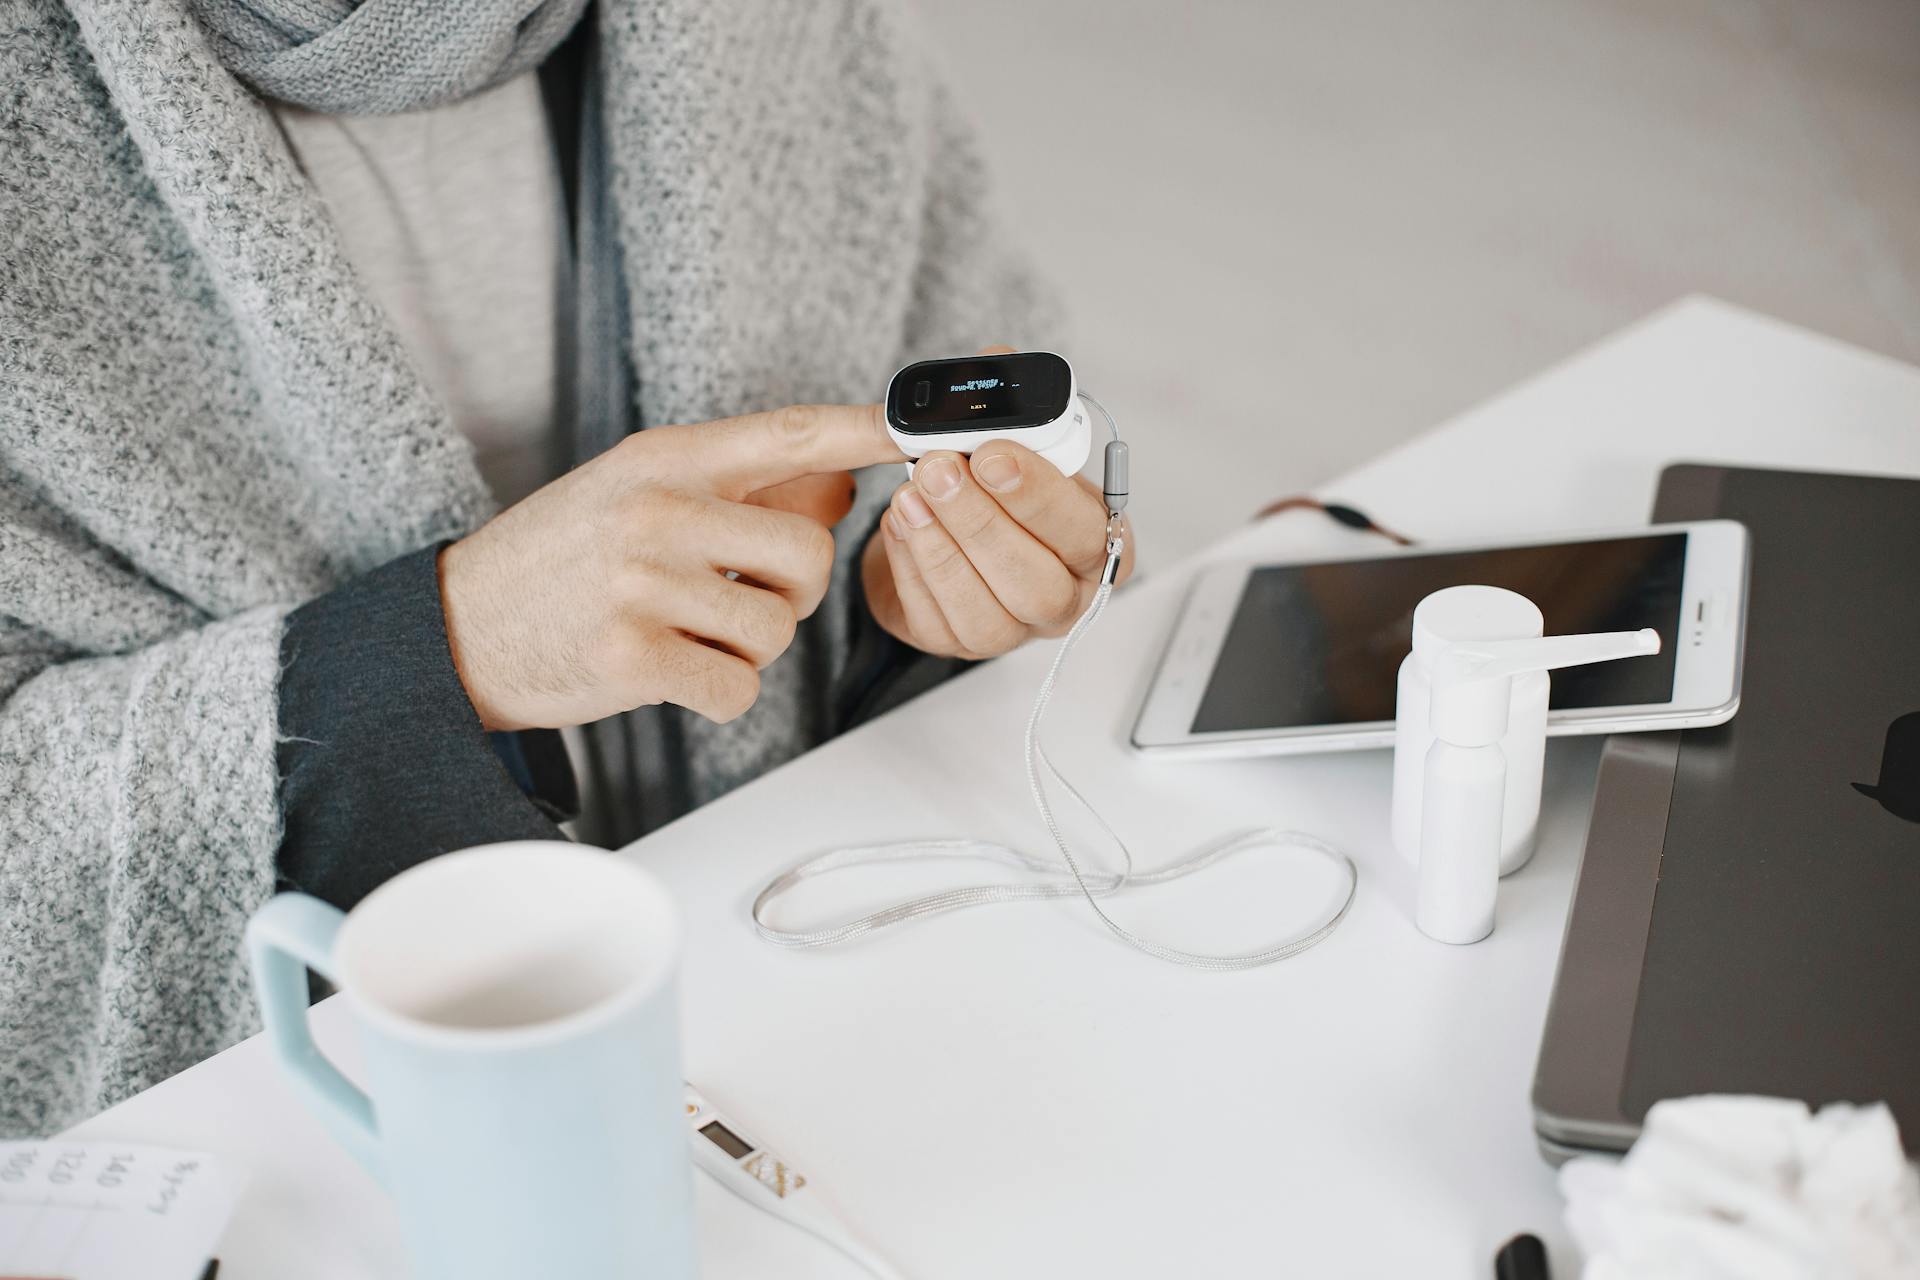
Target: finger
707,681
738,456
779,550
979,621
1024,574
1062,511
1083,597
748,621
826,497
918,609
997,349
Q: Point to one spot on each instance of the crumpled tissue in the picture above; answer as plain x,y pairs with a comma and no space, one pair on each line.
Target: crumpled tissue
1746,1188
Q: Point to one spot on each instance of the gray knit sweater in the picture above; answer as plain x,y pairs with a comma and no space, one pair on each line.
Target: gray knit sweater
205,421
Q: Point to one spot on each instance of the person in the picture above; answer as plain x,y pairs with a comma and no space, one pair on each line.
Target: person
423,425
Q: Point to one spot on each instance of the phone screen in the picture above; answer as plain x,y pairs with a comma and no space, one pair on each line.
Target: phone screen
1321,644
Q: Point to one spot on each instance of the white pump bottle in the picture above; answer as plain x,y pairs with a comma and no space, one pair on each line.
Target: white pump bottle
1471,613
1464,776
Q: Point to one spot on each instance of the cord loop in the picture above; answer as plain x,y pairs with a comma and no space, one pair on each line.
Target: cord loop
1039,770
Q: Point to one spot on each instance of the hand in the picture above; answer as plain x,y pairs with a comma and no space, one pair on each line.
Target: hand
608,589
974,556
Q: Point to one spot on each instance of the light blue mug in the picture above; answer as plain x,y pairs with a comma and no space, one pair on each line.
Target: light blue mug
517,1012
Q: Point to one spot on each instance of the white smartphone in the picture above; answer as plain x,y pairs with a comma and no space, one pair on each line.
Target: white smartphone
1277,658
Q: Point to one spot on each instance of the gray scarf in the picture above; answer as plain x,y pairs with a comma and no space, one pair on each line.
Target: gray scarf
379,57
375,57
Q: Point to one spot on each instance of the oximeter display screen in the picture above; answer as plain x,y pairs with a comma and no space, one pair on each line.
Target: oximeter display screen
1321,644
980,393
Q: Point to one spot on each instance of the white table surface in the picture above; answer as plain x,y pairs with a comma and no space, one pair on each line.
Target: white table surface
1009,1091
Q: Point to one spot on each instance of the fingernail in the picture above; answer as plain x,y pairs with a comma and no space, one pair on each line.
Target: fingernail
914,509
998,471
892,524
940,478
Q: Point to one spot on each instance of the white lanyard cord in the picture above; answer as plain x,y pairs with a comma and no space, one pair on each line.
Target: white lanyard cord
1094,888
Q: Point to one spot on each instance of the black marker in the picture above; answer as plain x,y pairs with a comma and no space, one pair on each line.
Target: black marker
1521,1258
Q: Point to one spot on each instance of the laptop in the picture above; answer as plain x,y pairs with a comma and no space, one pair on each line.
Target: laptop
1747,915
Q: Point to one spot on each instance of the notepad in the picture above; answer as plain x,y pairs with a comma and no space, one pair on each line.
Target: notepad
99,1211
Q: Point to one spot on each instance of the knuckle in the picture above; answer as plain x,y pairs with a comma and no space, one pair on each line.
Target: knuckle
649,512
657,451
755,623
1051,604
632,449
1002,637
940,558
732,688
936,638
1089,563
973,522
642,663
1077,599
989,636
768,624
797,425
786,625
817,551
642,585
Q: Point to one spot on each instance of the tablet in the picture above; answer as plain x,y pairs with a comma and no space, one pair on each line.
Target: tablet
1277,658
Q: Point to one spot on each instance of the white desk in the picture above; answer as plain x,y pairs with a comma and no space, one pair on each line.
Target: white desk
1009,1091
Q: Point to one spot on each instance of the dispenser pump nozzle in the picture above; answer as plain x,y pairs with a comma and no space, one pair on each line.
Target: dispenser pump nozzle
1473,680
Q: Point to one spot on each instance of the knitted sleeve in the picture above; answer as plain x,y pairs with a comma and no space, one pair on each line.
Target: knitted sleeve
383,762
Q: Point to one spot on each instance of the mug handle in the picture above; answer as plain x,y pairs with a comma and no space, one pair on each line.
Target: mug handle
285,938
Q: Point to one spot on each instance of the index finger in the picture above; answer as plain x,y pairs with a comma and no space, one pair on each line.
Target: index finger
739,456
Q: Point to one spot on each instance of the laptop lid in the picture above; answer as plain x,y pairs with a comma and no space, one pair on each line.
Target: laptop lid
1747,916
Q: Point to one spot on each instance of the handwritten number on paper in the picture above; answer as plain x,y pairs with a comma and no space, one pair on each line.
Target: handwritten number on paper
65,1165
19,1165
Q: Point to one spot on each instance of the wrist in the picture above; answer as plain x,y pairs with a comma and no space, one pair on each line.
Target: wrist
458,608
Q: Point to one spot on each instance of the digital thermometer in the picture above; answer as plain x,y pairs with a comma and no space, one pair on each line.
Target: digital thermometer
769,1183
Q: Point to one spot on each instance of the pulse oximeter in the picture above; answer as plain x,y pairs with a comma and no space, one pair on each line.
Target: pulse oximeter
961,404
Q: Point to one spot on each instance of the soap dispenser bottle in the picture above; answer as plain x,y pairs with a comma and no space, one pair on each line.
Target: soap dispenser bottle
1465,776
1447,616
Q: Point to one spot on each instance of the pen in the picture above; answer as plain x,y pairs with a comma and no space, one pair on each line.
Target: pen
1521,1258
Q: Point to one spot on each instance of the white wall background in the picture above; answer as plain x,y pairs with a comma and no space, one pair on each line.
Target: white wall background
1293,234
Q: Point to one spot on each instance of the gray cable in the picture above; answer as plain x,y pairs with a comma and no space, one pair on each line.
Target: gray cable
1039,769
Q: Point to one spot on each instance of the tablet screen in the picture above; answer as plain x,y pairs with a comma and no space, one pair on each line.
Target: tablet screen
1321,644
